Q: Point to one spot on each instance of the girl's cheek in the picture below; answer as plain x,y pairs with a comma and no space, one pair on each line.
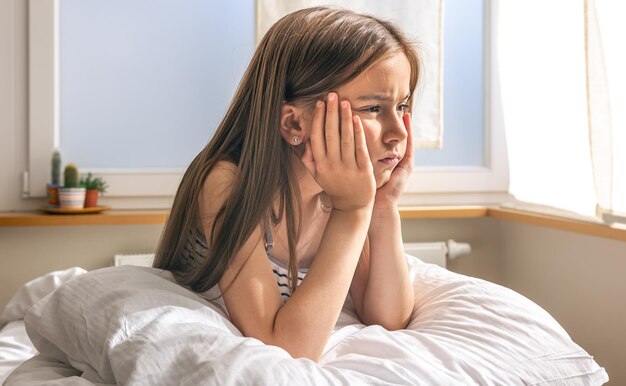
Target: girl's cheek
370,139
372,127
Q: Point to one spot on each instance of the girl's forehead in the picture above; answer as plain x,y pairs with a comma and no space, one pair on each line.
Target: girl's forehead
388,78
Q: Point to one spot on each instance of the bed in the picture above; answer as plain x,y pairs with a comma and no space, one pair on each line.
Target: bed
134,325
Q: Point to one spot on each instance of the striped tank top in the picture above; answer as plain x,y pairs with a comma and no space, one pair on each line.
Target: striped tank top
197,242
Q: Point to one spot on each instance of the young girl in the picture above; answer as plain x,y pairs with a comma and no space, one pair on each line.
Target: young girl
293,204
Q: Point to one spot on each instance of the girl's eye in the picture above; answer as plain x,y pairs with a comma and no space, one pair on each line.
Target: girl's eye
371,109
403,107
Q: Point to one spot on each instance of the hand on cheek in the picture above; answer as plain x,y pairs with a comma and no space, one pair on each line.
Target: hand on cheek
388,194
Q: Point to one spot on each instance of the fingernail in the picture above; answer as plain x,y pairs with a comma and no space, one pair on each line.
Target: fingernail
332,96
319,104
344,104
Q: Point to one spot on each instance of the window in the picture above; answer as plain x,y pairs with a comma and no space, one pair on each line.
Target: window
114,96
118,94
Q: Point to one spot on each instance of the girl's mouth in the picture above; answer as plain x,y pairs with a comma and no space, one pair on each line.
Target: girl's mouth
391,161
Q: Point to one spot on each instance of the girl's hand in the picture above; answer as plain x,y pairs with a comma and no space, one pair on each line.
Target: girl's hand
389,194
337,156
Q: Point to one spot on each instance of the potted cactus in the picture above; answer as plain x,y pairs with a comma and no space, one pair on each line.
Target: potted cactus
72,195
94,186
52,189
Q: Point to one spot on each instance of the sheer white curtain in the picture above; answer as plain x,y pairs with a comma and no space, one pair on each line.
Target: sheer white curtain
556,97
542,68
421,20
606,91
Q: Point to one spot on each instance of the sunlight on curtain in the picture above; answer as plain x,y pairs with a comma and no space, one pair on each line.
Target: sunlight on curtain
542,67
607,97
421,20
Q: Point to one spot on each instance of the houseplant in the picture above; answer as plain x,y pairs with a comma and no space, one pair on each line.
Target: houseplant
52,189
71,195
94,186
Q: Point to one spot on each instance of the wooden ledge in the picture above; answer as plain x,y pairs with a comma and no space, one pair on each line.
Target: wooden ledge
111,217
615,232
421,212
138,217
142,217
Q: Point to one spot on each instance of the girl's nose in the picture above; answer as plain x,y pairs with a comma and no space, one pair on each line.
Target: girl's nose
394,129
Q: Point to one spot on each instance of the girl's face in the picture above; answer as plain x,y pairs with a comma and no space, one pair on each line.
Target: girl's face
379,96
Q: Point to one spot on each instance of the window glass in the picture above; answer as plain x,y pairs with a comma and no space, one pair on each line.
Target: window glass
144,83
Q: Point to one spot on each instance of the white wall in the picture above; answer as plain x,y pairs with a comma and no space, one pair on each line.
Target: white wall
28,252
480,233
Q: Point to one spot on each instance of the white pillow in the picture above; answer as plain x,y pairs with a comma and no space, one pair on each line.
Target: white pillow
463,331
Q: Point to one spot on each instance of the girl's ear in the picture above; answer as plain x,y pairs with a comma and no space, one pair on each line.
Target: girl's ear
291,124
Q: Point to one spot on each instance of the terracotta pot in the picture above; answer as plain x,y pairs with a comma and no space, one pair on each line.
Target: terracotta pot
72,198
91,198
52,192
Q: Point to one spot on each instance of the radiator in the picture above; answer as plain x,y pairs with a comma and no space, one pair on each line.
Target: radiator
143,259
437,252
434,253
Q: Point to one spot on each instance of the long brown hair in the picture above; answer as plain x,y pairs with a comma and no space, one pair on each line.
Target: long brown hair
305,55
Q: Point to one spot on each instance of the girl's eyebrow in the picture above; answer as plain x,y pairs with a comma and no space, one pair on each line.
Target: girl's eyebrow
379,97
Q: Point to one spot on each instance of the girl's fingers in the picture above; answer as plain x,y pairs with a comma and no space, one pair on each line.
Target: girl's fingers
317,146
347,134
331,130
362,155
408,153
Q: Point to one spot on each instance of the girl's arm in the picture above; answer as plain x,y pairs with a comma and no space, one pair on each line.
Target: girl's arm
303,325
381,288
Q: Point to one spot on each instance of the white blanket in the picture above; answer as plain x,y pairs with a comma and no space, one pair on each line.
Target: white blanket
15,347
131,325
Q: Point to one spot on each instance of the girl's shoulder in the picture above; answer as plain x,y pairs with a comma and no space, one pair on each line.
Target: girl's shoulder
222,174
217,187
224,168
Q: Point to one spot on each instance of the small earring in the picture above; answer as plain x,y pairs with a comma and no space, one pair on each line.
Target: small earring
295,139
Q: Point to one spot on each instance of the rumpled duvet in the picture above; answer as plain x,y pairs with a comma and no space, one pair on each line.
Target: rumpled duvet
135,326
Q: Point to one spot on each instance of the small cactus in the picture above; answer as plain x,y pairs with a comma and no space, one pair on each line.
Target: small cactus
71,177
56,168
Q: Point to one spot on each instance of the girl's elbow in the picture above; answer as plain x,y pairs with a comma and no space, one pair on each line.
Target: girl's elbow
393,324
398,324
305,354
390,321
297,348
